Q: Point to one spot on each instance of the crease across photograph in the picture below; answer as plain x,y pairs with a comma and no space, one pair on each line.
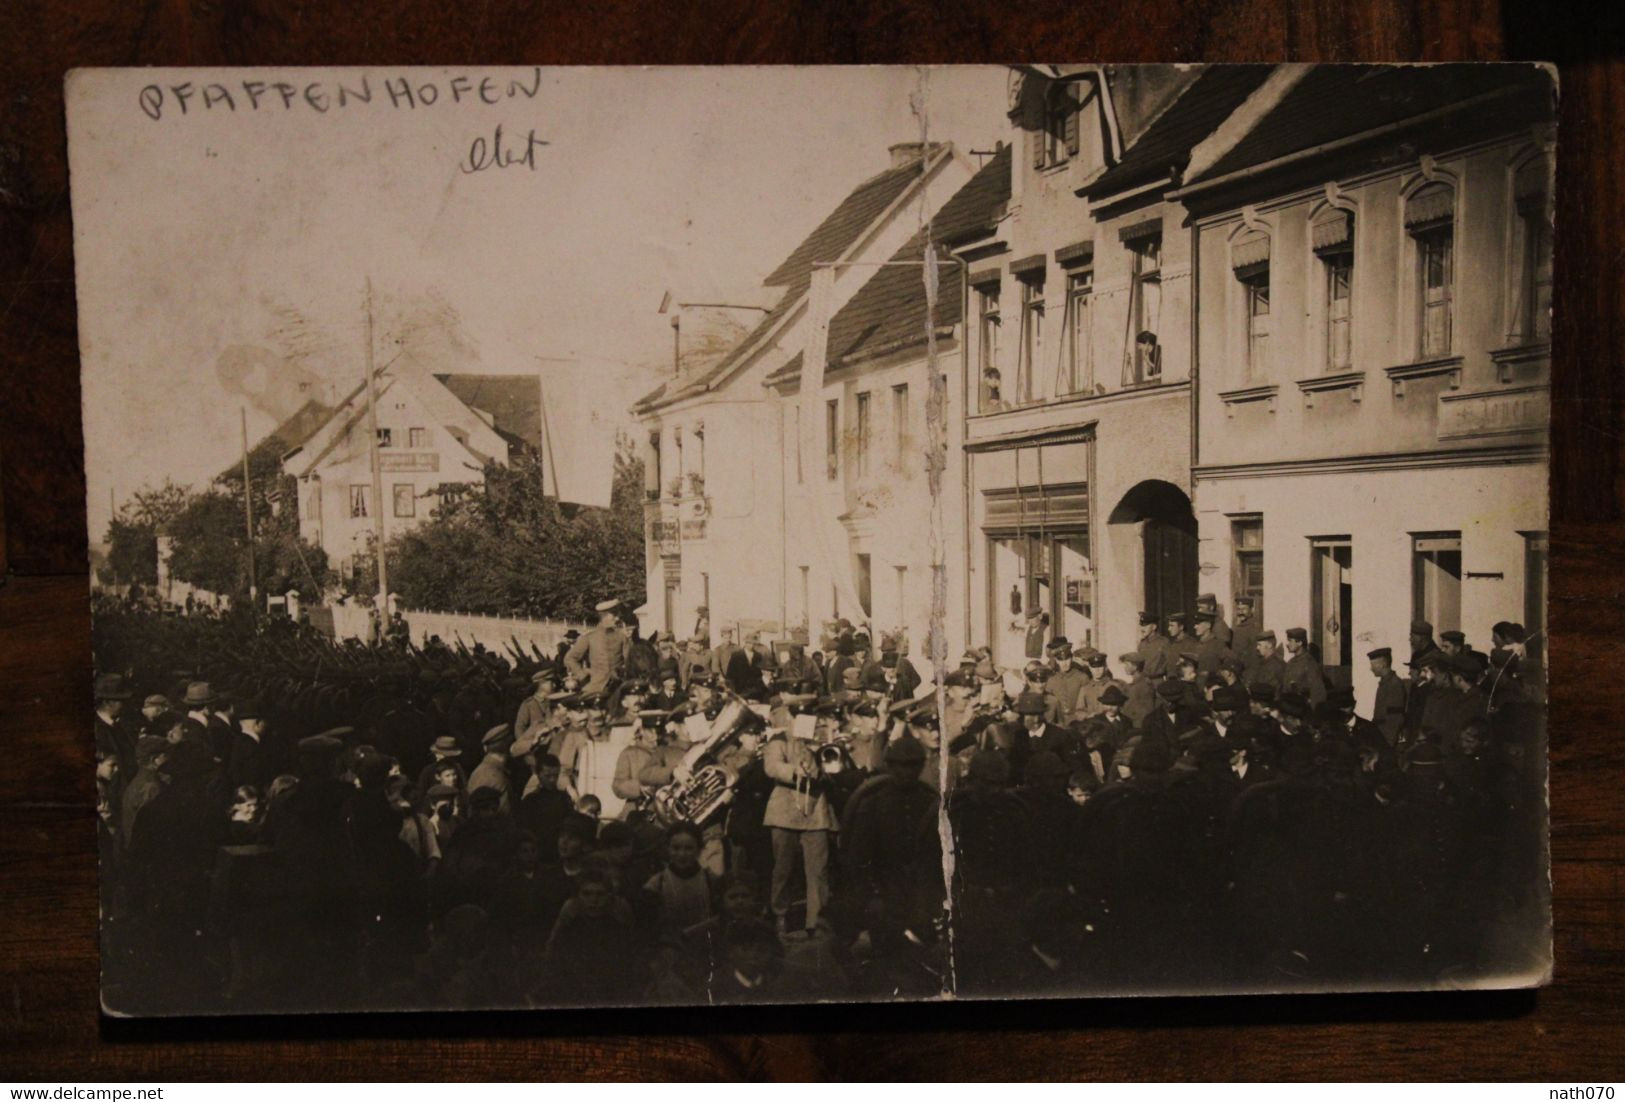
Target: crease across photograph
635,537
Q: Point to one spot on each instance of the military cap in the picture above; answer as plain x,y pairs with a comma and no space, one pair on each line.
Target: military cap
1340,696
1381,652
1234,664
1421,627
496,735
1177,618
905,750
988,766
1206,616
925,716
1147,618
1031,704
1037,671
441,792
572,634
1190,658
1244,602
1262,691
156,700
1206,599
1131,657
861,639
1044,764
607,606
1095,658
1171,690
1058,642
1299,634
969,658
961,678
1111,694
544,676
1266,636
1435,660
1455,637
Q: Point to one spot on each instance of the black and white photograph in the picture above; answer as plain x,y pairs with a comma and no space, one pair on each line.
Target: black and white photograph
680,536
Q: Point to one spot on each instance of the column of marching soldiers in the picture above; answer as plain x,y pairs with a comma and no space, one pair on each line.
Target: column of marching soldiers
290,822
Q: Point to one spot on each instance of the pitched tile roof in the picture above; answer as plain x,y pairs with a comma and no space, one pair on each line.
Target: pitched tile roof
1336,101
301,425
831,239
1168,141
513,401
889,311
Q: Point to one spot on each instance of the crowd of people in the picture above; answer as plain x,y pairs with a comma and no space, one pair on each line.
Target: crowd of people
290,822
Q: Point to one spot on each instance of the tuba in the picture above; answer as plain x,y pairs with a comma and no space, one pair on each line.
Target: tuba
710,784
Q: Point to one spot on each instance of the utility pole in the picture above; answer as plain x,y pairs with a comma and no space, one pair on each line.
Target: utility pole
248,513
377,473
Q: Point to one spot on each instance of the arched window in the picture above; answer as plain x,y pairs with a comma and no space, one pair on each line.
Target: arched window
1430,222
1250,258
1332,234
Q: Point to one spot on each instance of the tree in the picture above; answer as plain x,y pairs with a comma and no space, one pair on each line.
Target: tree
132,534
502,547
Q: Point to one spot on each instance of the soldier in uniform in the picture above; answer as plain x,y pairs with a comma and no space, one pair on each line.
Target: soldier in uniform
1269,669
535,709
1388,708
1207,602
1066,683
1422,643
1087,705
1210,649
599,657
1141,693
1244,636
1155,656
1180,638
803,827
1303,673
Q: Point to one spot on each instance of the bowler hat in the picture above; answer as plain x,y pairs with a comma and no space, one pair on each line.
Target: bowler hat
1340,696
1424,753
1111,694
1171,690
110,686
1261,691
253,708
1229,698
1058,642
156,700
1421,627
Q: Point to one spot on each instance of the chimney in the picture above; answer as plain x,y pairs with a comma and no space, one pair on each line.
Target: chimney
904,154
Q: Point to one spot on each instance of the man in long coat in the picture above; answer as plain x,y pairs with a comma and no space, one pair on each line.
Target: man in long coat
599,656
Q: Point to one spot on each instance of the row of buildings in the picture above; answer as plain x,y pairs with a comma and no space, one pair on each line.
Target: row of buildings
1274,331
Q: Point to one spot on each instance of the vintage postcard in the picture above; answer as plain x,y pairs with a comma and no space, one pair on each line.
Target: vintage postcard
584,537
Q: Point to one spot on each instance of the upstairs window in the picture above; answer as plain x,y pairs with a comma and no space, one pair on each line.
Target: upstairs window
1143,359
385,438
1058,140
1333,236
899,425
313,501
832,439
1250,258
1532,308
358,500
1430,221
862,434
1080,363
987,312
417,438
1032,338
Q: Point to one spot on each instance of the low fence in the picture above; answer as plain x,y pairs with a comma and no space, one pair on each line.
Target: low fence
495,632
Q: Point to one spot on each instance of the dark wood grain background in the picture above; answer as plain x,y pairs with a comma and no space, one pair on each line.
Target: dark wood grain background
50,1026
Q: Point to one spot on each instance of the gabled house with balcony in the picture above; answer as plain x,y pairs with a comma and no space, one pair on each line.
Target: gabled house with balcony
1076,376
712,436
1373,289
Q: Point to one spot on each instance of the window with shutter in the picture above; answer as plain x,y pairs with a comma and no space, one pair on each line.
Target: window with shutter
1434,253
1339,292
1532,308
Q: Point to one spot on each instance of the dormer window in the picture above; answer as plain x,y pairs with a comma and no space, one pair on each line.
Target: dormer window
1058,140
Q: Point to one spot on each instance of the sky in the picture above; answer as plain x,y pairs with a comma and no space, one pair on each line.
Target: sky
229,222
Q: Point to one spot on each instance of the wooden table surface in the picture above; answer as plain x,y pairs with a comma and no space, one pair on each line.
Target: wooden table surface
50,1025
